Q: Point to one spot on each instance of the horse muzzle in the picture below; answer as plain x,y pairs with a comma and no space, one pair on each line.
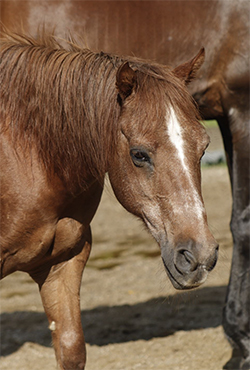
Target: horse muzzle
188,265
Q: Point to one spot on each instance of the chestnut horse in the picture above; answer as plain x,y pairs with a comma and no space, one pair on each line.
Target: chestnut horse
68,116
169,32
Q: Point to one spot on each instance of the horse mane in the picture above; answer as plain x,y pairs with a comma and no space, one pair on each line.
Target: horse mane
63,101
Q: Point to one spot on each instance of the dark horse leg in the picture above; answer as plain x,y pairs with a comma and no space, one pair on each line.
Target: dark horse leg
236,312
60,293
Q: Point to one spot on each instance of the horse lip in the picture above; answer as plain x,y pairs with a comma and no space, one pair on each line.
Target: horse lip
175,283
182,285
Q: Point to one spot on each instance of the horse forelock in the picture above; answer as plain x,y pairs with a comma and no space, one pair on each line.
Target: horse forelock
161,91
63,101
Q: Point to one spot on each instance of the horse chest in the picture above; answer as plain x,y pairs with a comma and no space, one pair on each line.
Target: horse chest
22,248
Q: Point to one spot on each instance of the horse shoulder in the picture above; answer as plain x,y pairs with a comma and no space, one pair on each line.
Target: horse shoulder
40,222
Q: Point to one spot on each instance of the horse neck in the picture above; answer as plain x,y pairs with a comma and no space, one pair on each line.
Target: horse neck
95,112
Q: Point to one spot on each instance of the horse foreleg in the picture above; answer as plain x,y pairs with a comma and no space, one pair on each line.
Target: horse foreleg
236,312
60,293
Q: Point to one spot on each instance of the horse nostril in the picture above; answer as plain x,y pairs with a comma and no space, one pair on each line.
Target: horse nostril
212,262
185,261
190,258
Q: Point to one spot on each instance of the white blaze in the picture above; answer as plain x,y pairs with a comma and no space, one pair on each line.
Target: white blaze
175,135
174,129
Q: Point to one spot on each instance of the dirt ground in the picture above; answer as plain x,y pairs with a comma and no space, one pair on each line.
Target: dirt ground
132,316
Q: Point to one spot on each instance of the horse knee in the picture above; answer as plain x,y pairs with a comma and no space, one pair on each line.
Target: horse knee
73,353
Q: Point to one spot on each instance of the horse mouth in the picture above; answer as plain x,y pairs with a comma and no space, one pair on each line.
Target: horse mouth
175,283
185,283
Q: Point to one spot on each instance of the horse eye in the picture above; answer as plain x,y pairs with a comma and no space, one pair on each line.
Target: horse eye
139,157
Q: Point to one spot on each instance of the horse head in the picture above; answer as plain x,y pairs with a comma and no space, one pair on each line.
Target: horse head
155,172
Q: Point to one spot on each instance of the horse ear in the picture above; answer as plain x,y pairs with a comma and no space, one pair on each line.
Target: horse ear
187,71
125,80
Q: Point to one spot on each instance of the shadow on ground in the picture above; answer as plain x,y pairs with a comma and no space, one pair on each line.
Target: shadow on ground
158,317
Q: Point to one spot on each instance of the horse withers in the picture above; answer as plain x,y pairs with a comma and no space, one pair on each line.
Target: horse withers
68,116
